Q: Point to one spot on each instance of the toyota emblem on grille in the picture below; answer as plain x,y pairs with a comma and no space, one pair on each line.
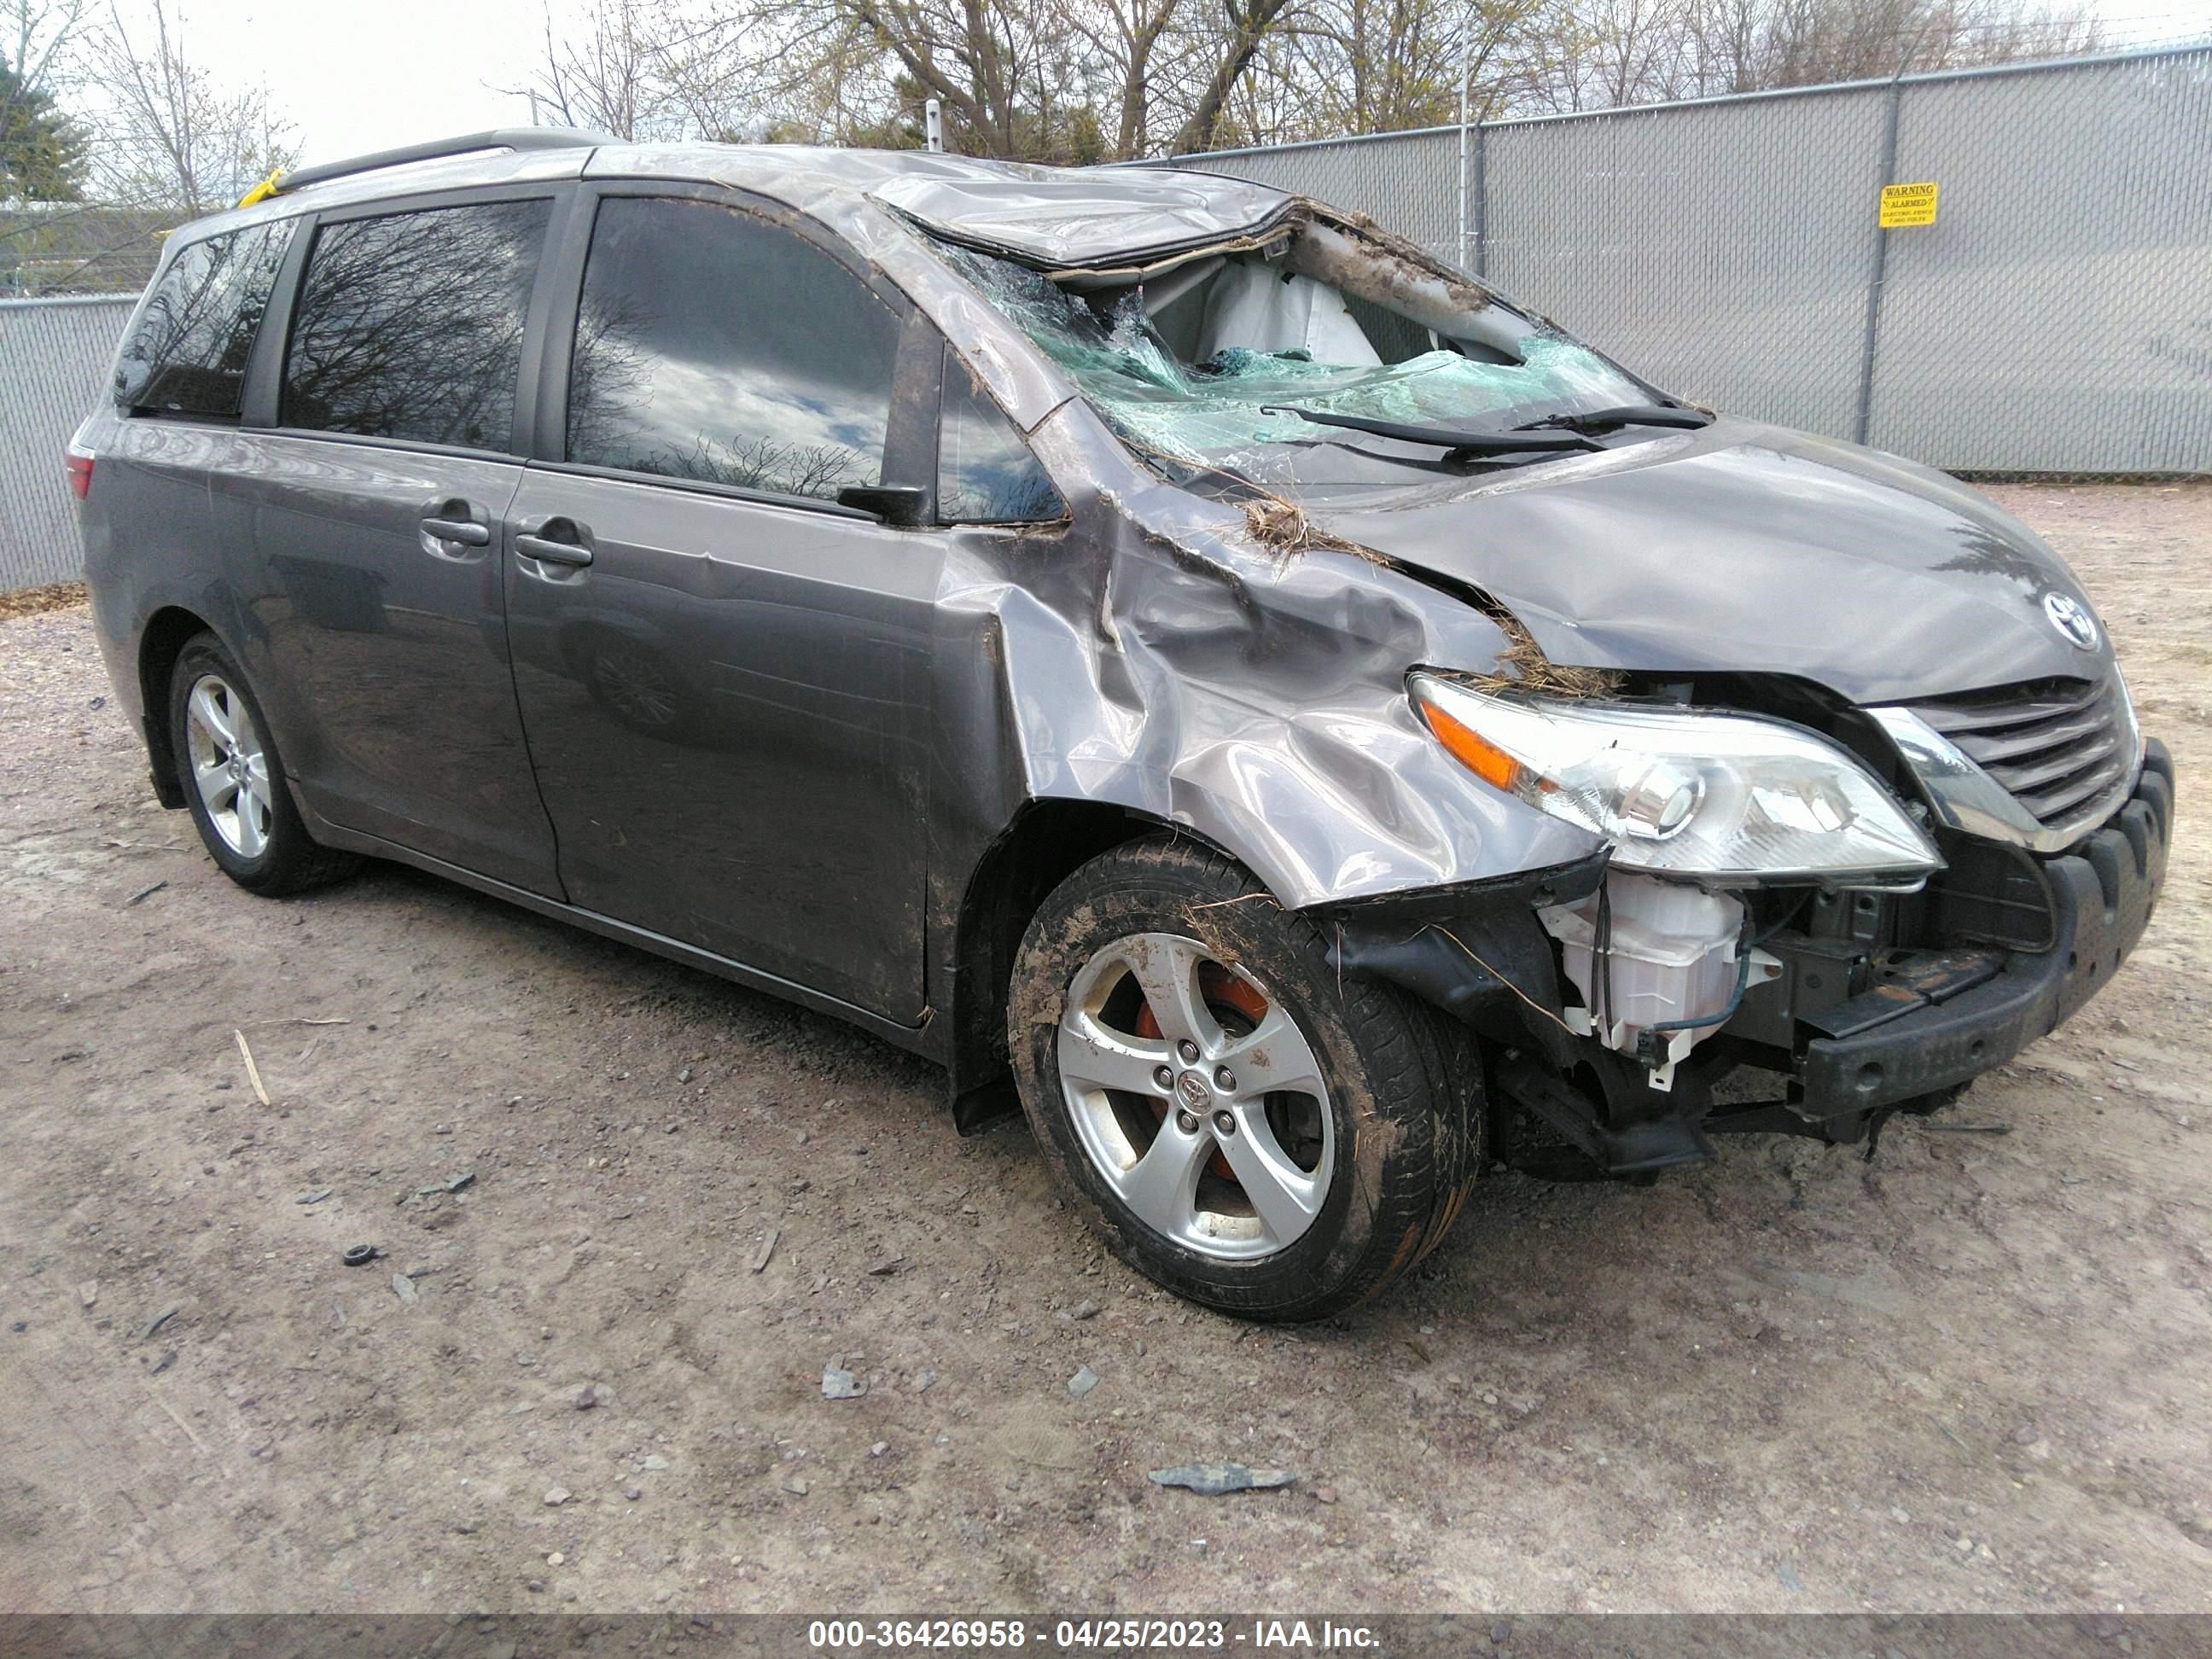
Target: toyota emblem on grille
2071,618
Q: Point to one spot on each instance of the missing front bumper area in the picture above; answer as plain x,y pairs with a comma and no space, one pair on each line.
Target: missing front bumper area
1857,1027
2103,893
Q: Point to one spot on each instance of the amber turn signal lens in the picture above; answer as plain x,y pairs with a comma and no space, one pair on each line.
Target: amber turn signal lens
1474,752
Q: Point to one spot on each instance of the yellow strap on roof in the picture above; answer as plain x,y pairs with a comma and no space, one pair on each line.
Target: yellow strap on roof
262,191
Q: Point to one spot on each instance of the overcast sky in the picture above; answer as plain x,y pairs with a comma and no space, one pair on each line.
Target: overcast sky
364,75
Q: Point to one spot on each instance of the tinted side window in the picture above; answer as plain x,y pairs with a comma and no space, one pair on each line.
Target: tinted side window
186,355
985,472
711,345
411,327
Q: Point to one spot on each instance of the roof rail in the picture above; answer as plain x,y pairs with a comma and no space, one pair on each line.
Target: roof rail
433,151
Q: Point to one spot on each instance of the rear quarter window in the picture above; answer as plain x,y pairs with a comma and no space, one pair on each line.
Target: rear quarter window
186,351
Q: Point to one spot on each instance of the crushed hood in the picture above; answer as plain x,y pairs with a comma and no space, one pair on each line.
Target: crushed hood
1745,548
1085,219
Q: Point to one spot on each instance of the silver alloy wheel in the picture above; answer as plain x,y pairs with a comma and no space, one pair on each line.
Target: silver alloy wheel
229,766
1152,1111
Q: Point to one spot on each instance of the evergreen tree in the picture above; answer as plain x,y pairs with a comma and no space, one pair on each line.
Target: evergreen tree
41,149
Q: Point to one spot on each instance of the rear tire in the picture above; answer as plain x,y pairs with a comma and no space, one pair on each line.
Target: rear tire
234,778
1313,1141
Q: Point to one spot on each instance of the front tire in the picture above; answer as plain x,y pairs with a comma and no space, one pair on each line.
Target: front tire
234,778
1246,1127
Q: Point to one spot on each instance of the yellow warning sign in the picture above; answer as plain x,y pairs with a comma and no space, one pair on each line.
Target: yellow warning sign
1908,204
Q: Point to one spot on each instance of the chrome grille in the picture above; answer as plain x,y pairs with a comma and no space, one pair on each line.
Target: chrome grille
2062,748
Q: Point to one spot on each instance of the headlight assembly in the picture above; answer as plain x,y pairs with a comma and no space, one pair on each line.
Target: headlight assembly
1693,793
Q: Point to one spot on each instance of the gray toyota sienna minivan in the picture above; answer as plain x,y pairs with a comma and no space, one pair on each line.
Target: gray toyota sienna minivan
1304,725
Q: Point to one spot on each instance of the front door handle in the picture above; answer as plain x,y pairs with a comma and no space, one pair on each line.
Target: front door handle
546,551
465,531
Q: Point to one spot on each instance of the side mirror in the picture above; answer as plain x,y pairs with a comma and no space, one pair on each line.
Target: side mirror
898,504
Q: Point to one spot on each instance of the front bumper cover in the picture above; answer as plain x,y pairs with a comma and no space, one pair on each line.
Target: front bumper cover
2103,893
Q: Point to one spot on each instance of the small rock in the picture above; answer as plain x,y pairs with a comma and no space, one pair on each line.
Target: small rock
555,1496
885,1269
652,1462
1216,1479
1082,1382
803,1136
1500,1633
315,1197
1324,1494
1082,1310
585,1398
879,1448
633,1493
403,1288
684,1076
1788,1575
466,1529
924,1382
795,1484
156,1323
841,1384
88,1292
168,1359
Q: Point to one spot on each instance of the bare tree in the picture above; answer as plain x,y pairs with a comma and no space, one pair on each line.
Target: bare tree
617,73
1129,39
1623,51
166,132
1075,80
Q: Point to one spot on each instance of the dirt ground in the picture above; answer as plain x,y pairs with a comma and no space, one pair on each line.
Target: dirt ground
1974,1373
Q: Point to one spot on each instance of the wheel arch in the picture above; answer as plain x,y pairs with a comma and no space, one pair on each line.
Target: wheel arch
1046,843
160,644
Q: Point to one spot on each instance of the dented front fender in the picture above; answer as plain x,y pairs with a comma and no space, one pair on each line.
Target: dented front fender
1153,655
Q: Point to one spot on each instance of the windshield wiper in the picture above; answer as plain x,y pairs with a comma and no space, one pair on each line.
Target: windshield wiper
1458,443
1612,420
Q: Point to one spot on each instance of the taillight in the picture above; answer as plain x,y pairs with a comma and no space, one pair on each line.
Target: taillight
79,466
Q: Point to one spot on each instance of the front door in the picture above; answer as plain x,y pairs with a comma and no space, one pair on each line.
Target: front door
374,512
722,672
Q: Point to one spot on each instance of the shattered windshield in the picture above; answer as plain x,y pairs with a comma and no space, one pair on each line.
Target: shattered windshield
1197,363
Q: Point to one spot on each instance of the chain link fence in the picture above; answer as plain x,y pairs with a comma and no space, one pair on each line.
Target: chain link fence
53,356
2057,317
